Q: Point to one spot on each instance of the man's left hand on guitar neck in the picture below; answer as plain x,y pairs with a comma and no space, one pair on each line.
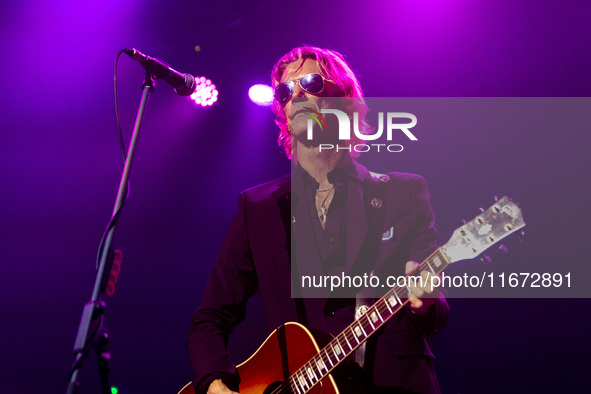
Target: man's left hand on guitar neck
421,298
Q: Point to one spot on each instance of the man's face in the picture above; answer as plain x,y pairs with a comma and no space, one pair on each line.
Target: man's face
293,72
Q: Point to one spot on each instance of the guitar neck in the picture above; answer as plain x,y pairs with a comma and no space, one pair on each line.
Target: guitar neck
360,330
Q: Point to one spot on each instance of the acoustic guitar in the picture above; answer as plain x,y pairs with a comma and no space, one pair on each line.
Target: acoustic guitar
309,358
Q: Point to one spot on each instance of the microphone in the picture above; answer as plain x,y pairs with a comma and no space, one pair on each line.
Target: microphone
183,84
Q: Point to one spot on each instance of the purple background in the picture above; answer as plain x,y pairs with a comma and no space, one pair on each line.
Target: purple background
60,166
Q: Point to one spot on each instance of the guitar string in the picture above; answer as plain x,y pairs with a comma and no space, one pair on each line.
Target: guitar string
349,335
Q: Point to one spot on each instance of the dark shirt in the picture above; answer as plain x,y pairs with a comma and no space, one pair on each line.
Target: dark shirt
330,239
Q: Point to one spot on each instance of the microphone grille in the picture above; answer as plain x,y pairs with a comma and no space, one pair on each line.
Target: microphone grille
188,88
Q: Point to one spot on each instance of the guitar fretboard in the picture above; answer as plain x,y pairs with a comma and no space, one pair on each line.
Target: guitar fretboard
357,333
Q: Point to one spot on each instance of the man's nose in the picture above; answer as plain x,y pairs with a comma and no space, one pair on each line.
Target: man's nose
297,90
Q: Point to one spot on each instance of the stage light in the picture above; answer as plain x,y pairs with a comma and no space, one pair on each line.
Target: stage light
261,94
206,93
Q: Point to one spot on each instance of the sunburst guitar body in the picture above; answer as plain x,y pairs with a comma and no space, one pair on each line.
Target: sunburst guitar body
263,372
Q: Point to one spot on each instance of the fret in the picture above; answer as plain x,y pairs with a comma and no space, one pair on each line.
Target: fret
336,352
377,311
347,340
308,378
355,334
311,373
298,389
320,364
437,261
330,358
444,256
359,329
369,320
398,298
431,268
392,301
340,347
326,358
363,329
303,382
388,306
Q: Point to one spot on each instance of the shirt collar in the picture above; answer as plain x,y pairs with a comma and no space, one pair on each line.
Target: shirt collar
345,169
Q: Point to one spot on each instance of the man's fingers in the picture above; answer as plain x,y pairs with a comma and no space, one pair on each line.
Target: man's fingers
218,387
425,283
411,267
415,290
430,282
415,303
420,285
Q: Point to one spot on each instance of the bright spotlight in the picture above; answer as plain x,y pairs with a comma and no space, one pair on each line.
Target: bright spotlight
206,93
261,94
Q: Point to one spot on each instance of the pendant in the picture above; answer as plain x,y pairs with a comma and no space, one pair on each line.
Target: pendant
322,213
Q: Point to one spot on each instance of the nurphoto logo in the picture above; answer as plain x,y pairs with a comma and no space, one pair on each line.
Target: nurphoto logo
395,123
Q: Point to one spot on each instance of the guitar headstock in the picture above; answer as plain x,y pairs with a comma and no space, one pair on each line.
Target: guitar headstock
502,219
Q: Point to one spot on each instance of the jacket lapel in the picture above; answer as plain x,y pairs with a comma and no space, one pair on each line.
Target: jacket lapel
304,249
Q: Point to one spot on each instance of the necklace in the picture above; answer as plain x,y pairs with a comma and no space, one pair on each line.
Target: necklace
323,209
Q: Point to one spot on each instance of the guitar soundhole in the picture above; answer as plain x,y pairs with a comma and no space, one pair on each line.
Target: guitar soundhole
275,387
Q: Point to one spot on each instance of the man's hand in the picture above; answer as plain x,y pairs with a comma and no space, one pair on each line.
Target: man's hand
418,305
218,387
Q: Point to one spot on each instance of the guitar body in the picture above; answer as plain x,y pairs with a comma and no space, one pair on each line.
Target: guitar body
263,371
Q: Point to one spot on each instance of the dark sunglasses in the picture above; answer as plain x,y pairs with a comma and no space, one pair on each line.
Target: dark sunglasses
311,83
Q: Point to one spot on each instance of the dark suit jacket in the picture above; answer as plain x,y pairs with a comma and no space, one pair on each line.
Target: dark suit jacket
255,256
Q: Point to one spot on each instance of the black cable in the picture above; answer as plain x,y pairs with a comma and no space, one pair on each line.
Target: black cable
113,220
111,224
117,107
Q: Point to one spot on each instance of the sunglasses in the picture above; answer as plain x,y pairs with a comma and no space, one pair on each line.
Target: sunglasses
311,83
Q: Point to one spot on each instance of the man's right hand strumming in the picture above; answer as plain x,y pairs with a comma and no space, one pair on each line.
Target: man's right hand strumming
218,387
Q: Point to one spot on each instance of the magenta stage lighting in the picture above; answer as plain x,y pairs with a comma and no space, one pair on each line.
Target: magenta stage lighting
261,94
205,93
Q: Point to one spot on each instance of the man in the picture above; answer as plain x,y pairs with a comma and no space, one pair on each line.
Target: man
328,209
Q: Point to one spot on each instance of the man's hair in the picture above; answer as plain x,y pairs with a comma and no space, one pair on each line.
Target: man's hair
333,67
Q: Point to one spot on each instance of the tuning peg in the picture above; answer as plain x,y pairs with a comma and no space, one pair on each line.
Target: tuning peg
485,259
521,236
481,209
503,249
496,198
463,221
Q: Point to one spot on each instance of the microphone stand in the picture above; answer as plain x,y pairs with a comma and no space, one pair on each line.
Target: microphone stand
92,314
